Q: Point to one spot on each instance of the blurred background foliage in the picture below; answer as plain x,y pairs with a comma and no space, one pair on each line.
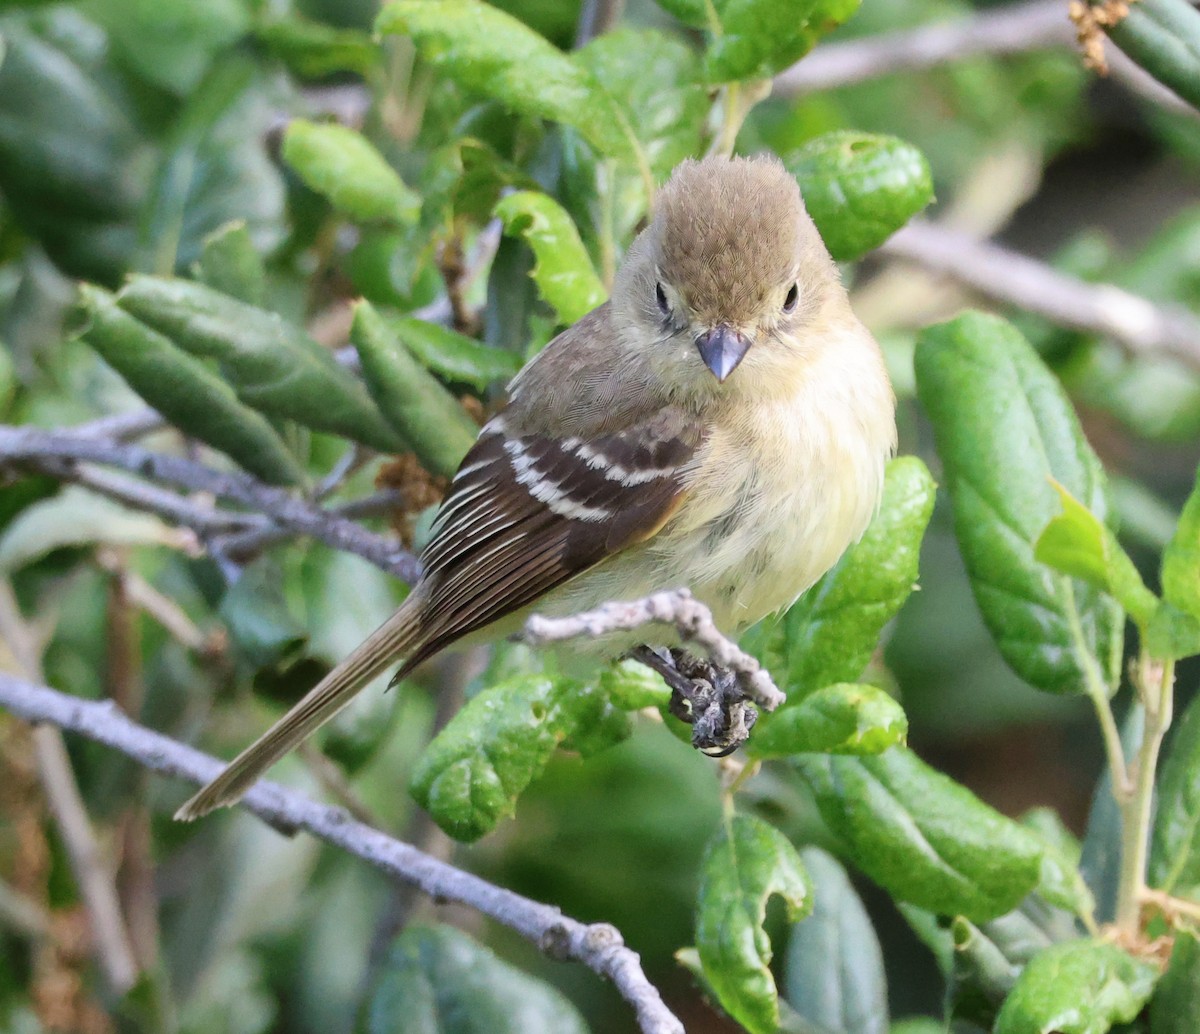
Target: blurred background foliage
133,131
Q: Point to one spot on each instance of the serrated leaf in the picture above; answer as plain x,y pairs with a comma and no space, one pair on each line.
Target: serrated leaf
437,980
342,165
1077,543
271,364
656,78
922,836
185,390
563,273
1003,429
860,188
1079,987
1181,558
829,634
454,357
1175,845
428,417
230,263
746,863
845,718
833,973
492,53
759,38
471,775
1173,1008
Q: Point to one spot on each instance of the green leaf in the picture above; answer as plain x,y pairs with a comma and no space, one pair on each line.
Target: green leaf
313,50
860,188
746,863
261,624
918,1025
72,166
185,390
454,357
494,54
833,974
437,980
1163,36
1181,558
759,38
471,775
77,517
1173,1008
1077,543
171,42
690,12
563,273
342,165
1172,633
844,718
632,686
1175,845
1004,429
829,634
656,79
922,836
273,366
1061,882
410,398
214,168
230,263
1079,987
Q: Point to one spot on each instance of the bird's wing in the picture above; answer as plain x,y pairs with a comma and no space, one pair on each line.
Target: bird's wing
527,512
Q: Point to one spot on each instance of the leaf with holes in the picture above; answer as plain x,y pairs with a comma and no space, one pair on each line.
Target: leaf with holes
746,863
860,188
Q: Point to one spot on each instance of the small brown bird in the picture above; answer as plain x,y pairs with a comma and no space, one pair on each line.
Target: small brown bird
722,423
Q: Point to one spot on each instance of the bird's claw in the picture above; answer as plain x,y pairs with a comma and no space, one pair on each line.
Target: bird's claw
706,697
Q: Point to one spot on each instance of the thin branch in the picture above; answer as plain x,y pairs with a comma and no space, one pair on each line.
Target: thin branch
97,888
596,945
21,913
1015,29
1137,323
24,444
596,17
121,427
1006,30
691,618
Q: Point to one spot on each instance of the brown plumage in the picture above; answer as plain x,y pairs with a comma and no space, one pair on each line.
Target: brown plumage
721,424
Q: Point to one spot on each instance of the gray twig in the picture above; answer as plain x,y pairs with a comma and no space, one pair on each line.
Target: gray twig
121,426
1136,323
25,444
1014,29
596,945
691,618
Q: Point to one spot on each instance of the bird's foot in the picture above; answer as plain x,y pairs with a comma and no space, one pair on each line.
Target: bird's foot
705,696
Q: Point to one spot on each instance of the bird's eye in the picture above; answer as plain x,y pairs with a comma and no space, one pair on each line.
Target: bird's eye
793,297
661,297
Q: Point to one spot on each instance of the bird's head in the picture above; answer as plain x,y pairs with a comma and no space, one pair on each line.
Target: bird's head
729,274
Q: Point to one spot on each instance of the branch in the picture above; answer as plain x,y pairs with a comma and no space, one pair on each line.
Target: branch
1006,276
1015,29
26,444
1006,30
596,945
691,618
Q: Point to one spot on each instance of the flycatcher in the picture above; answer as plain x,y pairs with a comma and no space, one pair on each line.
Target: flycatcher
722,423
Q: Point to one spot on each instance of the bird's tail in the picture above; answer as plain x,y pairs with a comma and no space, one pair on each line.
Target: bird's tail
392,639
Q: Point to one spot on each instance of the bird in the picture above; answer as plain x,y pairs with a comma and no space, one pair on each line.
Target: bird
721,423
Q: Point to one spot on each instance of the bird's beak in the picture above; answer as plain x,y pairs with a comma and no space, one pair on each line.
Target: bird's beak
722,348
